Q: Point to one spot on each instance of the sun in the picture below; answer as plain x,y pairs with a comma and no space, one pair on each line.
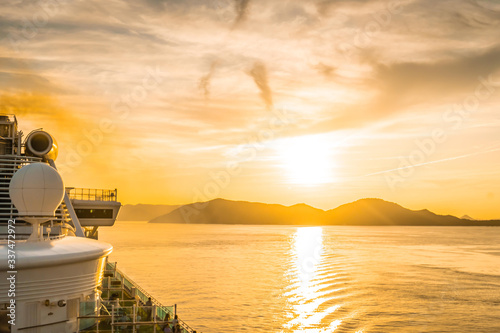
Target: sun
306,160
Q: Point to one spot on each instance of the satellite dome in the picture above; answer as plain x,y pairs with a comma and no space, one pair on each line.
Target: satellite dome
36,189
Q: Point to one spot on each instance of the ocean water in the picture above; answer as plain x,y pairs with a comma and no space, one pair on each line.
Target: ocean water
317,279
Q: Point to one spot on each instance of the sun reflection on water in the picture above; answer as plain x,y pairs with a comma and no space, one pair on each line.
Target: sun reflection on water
308,251
305,296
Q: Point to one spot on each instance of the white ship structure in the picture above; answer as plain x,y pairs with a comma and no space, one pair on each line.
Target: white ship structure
55,276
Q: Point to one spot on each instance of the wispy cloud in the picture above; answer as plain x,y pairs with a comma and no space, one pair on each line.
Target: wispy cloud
259,74
242,7
435,161
44,108
325,70
206,79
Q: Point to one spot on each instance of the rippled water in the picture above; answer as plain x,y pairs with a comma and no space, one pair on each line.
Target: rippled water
317,279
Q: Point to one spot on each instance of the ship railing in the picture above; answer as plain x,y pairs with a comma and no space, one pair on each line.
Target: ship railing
142,295
119,316
23,237
92,194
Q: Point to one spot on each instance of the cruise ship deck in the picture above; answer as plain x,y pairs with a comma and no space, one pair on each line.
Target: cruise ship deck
123,308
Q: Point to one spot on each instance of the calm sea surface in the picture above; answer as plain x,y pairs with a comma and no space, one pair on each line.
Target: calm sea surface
317,279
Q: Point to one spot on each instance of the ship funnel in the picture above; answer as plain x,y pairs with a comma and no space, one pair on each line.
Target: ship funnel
41,144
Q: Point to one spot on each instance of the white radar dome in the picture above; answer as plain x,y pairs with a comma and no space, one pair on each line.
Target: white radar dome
36,189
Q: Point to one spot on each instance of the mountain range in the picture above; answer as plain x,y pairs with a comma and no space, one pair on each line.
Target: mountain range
360,212
143,212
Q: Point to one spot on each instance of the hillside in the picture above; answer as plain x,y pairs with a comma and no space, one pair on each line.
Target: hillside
380,212
220,211
361,212
143,212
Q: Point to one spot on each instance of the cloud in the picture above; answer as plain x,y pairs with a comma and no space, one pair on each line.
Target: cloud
259,75
241,7
205,80
399,87
17,74
30,82
408,83
42,107
325,70
326,7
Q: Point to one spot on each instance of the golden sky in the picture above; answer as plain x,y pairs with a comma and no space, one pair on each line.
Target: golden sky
322,102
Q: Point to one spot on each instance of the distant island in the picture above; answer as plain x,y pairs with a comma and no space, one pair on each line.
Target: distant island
364,212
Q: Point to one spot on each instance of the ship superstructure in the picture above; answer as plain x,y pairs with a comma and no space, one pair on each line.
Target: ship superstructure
55,276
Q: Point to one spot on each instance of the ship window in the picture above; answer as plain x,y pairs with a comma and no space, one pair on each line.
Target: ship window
4,130
94,213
